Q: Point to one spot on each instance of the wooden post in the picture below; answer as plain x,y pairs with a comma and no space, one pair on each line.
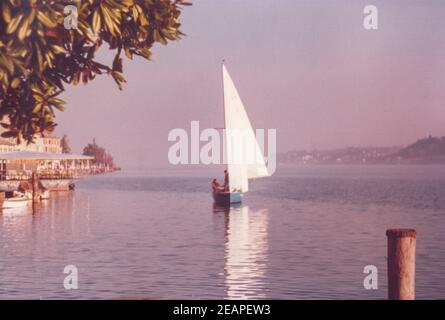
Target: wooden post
2,197
35,187
33,184
401,264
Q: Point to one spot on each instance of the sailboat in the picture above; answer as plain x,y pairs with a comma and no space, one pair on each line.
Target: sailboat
243,154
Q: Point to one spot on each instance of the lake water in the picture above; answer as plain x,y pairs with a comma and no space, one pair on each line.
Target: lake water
305,233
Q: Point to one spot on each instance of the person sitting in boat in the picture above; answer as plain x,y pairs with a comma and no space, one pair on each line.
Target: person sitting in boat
216,186
226,180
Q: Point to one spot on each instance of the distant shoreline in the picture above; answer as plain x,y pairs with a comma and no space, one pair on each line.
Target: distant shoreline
392,164
426,151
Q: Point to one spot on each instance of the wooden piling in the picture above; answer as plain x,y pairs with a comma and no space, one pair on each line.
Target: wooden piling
35,187
2,198
401,264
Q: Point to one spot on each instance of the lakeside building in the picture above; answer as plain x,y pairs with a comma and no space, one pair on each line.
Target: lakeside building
48,143
42,143
7,146
19,160
19,165
56,171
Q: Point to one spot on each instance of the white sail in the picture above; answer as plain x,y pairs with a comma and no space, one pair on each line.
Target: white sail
243,154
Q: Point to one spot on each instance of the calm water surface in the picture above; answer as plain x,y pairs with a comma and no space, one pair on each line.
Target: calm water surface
305,233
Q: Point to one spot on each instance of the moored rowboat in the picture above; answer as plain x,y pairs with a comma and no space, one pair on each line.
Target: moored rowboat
225,199
15,202
44,195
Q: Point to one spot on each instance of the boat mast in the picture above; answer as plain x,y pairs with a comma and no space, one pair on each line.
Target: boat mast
224,116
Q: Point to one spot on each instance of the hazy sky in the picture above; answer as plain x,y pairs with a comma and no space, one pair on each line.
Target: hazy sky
307,68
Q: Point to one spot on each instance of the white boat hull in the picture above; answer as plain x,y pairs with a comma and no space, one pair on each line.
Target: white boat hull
16,202
45,195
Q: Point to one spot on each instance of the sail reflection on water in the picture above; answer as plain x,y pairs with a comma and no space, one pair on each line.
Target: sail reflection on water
246,254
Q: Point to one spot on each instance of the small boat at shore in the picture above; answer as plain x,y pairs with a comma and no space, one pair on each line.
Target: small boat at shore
245,160
45,195
17,201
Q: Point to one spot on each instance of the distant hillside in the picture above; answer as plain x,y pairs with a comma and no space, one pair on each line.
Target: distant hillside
351,155
429,150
